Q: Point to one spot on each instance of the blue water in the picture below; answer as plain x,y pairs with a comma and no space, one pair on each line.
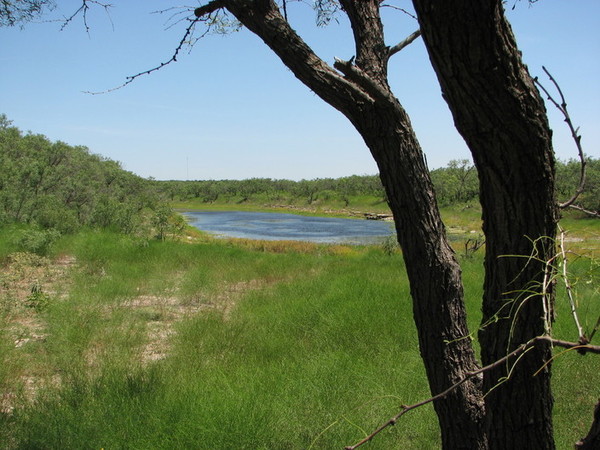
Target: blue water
289,227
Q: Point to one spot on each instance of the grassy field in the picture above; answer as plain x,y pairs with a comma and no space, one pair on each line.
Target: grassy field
111,341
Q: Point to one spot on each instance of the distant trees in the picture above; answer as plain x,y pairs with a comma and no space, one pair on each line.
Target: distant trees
58,186
455,184
567,178
274,191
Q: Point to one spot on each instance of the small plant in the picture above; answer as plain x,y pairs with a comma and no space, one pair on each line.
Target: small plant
390,245
38,299
472,245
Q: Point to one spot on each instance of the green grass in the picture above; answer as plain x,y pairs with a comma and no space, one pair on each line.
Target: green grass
252,346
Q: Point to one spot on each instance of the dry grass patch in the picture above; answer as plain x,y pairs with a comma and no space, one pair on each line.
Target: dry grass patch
27,284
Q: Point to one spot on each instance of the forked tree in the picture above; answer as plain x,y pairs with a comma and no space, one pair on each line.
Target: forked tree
502,118
500,114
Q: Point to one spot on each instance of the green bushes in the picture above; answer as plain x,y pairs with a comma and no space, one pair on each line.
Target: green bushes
37,241
58,186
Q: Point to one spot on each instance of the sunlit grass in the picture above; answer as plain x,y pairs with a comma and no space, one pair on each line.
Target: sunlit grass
242,344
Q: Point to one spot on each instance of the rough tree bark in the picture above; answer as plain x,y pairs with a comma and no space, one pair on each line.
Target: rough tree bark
501,116
361,92
499,113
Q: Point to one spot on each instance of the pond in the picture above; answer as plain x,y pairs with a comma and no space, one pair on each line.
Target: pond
289,227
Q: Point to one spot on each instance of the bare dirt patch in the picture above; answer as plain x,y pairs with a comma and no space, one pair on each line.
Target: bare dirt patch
27,282
162,313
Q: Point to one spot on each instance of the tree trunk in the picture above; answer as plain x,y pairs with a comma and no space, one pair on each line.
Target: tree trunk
364,97
501,116
434,275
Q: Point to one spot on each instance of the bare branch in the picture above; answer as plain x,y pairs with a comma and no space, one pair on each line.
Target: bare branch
562,107
587,211
409,40
83,10
569,289
515,353
358,76
400,9
209,8
185,39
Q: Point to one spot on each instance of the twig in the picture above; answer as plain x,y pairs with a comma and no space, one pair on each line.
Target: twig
84,9
518,351
562,107
130,79
409,40
561,248
400,9
587,211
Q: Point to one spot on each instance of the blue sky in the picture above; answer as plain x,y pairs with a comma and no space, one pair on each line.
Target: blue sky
231,110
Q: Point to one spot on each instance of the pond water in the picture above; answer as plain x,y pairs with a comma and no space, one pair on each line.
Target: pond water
289,227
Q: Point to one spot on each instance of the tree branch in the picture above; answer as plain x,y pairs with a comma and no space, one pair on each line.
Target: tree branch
83,9
130,79
406,42
515,353
587,211
562,107
209,8
568,287
357,75
267,22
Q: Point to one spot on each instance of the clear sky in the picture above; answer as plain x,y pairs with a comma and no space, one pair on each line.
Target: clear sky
231,110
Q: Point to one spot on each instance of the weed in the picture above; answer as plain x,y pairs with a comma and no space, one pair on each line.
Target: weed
38,299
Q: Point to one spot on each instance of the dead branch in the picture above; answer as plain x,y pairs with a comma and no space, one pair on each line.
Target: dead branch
83,10
568,287
562,107
209,8
409,40
587,211
515,353
185,39
400,9
362,79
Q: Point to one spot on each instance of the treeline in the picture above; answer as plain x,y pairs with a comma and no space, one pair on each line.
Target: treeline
61,187
273,192
455,184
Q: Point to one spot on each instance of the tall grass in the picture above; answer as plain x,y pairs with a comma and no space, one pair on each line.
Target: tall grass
259,348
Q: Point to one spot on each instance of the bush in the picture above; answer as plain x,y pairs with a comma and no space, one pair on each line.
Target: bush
37,241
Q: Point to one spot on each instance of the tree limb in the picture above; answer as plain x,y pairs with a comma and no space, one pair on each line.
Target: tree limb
562,107
267,22
130,79
83,9
568,287
209,8
406,42
587,211
356,74
515,353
